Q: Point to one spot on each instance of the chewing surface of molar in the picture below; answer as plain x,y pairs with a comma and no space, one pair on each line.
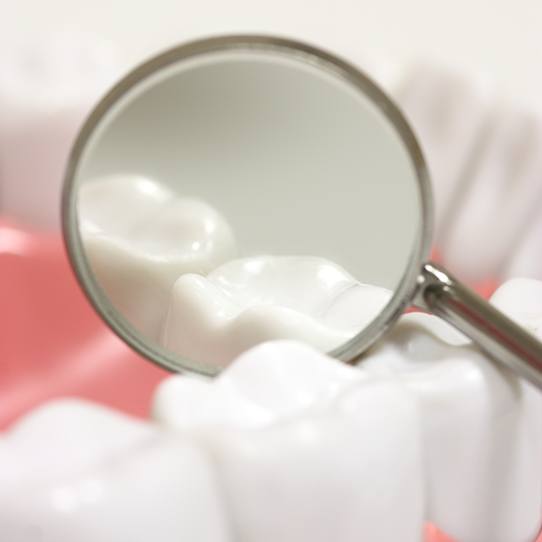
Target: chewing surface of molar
247,301
47,87
76,471
139,238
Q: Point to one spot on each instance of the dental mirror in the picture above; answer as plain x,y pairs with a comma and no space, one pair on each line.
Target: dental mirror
245,188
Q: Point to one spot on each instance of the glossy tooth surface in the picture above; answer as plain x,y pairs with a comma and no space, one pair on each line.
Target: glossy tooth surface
481,432
501,198
521,299
252,300
525,260
47,87
311,451
75,471
139,253
448,113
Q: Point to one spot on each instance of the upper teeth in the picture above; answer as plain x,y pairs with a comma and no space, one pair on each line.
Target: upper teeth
248,301
138,254
47,87
303,448
486,162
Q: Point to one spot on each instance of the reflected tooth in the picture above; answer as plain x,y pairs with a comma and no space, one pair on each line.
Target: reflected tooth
253,300
330,458
501,199
448,113
481,432
137,254
75,471
47,87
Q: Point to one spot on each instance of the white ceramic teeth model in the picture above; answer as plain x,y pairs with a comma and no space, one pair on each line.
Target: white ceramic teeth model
76,471
485,157
288,444
252,300
47,87
448,113
502,197
139,238
479,431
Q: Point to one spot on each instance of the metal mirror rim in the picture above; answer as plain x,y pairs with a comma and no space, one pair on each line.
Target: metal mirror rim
409,283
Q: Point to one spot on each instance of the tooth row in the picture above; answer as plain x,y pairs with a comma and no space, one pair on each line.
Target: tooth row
288,444
485,157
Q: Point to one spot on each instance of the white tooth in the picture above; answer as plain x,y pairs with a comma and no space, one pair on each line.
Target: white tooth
252,300
521,299
139,238
47,87
501,199
481,432
286,378
448,112
331,457
525,260
75,471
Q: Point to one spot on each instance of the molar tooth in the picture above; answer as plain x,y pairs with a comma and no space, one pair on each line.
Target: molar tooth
448,112
501,199
525,260
47,87
521,299
137,254
249,301
272,379
75,471
481,432
333,454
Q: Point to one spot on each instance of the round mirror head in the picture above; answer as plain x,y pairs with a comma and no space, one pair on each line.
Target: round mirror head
242,189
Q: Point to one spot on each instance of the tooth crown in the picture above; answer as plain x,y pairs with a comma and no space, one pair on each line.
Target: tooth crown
104,477
47,87
304,459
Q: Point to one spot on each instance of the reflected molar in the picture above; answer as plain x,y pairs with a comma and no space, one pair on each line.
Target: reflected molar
137,254
47,87
252,300
307,449
75,471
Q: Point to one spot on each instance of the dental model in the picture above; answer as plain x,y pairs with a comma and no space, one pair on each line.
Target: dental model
139,253
248,301
485,159
47,87
288,444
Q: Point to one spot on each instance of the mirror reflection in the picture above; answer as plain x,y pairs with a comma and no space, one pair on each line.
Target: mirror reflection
244,196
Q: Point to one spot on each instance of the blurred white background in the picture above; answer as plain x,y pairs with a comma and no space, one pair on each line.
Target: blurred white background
500,37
